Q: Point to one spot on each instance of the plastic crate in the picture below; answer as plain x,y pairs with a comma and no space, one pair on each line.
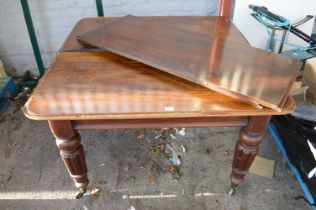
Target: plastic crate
7,87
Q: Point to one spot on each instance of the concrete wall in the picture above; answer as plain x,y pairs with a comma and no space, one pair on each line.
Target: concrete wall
53,20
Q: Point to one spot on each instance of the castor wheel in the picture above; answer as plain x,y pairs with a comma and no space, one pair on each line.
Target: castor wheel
81,192
231,191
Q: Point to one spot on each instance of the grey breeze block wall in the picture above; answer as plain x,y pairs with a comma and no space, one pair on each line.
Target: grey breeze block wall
53,20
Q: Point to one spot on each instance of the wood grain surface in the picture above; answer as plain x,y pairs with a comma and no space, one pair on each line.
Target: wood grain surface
102,85
185,23
205,54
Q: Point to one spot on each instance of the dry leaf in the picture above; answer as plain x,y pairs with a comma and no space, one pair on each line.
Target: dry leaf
219,146
162,146
174,171
156,151
182,150
154,169
154,172
131,178
217,203
141,136
168,133
127,167
143,165
7,153
131,208
152,177
136,157
228,152
95,192
170,169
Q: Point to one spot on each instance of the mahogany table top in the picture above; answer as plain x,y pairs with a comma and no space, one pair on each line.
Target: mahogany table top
185,23
102,85
81,85
209,58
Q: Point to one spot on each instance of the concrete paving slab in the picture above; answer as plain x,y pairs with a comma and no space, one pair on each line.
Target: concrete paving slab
34,177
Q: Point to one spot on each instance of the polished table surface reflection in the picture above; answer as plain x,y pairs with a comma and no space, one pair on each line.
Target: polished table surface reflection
86,88
81,84
101,85
210,59
186,23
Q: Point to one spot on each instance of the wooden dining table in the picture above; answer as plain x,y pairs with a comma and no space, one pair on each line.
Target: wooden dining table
86,88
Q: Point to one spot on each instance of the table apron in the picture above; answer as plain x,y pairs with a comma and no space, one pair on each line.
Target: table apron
197,122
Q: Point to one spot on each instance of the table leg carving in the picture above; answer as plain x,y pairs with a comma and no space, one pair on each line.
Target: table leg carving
250,138
71,151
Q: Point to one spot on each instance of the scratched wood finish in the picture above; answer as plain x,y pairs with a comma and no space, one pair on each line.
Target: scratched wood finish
210,59
185,23
102,85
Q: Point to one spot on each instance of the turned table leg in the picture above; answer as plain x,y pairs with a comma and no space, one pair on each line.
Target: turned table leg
71,151
250,138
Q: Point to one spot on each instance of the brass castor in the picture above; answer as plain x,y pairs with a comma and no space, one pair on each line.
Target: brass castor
81,192
231,191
